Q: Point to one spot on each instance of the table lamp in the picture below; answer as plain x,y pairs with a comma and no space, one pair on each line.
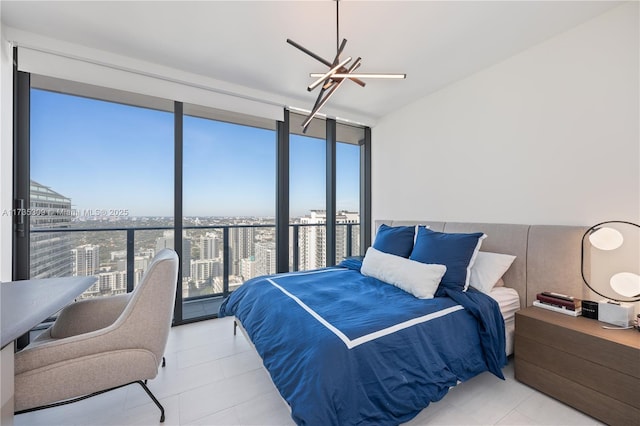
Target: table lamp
617,257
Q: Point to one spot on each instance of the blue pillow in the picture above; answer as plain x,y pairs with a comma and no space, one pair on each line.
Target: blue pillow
456,251
396,240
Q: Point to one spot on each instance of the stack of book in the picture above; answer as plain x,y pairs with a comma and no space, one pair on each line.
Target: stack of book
559,303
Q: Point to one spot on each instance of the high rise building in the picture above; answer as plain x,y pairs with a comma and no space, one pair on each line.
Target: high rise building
141,261
86,260
167,241
49,251
248,268
265,258
118,255
113,282
342,219
241,244
209,246
109,283
204,270
313,239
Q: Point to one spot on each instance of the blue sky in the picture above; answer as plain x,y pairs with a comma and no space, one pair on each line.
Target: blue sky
105,155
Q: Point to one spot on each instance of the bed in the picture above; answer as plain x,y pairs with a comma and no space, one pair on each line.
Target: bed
344,347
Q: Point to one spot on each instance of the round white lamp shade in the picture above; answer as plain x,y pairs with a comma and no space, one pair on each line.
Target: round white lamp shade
606,238
626,283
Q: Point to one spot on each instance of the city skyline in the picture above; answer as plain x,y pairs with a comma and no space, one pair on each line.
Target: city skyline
252,252
114,157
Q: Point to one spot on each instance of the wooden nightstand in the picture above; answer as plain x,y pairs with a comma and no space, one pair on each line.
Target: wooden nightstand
576,361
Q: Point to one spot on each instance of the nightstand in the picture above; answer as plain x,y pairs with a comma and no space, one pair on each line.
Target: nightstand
576,361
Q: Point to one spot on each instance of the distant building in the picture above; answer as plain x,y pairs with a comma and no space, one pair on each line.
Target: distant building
241,244
265,258
313,239
342,219
148,253
209,247
118,255
141,261
248,268
113,282
109,283
204,270
49,251
167,241
86,260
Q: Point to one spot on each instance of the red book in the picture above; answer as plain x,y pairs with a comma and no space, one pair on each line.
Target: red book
559,300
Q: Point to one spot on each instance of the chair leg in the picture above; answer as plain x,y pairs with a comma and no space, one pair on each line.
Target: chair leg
164,362
68,401
235,326
81,398
152,396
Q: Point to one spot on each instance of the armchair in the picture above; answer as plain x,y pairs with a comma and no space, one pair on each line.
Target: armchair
101,344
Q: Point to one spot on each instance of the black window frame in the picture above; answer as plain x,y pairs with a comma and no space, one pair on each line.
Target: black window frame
21,187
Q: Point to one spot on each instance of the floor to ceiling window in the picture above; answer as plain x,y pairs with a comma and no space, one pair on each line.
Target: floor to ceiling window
348,150
113,177
307,194
228,205
100,174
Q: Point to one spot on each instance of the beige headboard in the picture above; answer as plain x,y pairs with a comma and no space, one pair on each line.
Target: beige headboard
547,256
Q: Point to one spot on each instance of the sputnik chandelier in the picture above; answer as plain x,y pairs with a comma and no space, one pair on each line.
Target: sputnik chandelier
339,71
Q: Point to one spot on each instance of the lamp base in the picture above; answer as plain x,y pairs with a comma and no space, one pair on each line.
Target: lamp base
616,313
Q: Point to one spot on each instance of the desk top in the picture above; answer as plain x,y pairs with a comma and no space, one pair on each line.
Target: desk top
25,304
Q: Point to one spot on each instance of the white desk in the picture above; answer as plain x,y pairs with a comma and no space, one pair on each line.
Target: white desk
24,305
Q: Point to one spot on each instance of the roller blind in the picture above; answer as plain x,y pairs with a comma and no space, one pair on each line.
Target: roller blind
132,80
345,133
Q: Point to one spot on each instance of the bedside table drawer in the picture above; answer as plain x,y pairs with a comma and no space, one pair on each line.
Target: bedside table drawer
604,408
582,337
576,361
597,377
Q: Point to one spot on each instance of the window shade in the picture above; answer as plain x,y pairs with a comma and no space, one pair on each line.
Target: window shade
118,77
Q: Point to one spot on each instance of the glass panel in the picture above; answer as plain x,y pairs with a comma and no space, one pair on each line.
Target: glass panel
348,191
347,200
98,169
229,201
307,201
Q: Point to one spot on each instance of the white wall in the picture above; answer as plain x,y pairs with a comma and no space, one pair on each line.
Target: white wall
548,136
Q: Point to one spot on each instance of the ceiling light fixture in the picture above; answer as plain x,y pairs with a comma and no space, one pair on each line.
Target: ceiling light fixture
360,75
338,72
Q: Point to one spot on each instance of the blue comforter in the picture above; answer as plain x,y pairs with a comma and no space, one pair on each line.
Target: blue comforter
346,349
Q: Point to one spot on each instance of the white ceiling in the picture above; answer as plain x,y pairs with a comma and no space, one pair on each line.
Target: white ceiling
244,42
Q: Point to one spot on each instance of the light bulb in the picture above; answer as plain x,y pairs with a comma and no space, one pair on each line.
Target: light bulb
606,238
626,284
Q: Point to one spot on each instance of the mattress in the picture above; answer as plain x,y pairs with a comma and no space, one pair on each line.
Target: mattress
509,302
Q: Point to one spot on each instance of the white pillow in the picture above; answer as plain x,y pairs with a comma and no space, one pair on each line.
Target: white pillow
488,269
417,278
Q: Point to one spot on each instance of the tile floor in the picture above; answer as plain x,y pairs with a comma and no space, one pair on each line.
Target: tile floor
214,378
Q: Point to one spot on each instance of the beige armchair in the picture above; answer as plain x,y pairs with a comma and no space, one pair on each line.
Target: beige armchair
97,345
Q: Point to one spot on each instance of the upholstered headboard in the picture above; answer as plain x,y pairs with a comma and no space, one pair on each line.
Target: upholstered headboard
547,256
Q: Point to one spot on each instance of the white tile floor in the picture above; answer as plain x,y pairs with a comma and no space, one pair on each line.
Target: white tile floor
214,378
